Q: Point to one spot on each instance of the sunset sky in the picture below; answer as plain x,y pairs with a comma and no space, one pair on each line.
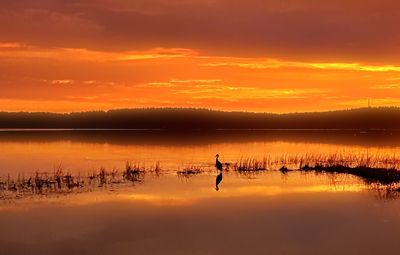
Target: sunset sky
247,55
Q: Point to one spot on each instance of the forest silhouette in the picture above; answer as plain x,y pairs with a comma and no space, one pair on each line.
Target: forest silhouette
204,119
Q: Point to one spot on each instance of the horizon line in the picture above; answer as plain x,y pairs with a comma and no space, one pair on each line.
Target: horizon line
202,108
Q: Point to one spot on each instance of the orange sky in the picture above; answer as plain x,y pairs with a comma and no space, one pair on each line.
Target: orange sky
253,55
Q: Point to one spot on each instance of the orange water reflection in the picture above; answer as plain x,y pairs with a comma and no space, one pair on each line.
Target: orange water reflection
170,190
267,214
83,152
263,213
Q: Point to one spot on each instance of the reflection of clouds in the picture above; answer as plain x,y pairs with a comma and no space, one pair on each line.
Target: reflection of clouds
199,192
237,192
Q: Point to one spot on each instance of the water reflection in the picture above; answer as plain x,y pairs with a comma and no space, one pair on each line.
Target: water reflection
188,155
372,138
86,151
263,212
316,223
168,189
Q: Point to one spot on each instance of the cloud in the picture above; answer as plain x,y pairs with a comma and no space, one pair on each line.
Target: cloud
273,63
237,93
346,30
386,86
62,82
15,50
10,45
195,81
158,85
363,102
174,83
157,53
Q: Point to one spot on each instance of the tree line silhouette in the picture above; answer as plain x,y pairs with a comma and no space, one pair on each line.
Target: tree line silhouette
198,119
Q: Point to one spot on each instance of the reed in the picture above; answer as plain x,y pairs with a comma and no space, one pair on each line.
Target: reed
189,171
340,159
369,174
250,164
62,181
133,172
373,169
380,168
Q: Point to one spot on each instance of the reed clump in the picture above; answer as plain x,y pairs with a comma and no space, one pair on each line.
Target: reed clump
189,171
369,174
380,168
250,165
61,181
381,161
133,172
371,168
42,182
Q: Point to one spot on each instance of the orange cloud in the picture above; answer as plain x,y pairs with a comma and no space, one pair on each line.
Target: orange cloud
273,63
76,79
10,45
81,54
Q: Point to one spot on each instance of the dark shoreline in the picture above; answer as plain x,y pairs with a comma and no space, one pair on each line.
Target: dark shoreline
163,137
181,119
384,176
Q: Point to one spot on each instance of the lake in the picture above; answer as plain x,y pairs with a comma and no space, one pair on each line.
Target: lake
266,212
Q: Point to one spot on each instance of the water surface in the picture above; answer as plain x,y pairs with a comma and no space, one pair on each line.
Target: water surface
263,213
83,151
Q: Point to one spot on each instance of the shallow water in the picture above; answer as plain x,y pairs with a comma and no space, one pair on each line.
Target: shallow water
84,151
264,213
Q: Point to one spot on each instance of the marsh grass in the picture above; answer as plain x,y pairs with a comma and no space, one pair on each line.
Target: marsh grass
189,171
63,181
382,169
250,165
371,168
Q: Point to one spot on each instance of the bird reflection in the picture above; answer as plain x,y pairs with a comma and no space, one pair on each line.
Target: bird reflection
218,165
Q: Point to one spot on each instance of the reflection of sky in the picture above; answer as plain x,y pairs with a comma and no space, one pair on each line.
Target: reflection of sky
23,154
171,190
295,214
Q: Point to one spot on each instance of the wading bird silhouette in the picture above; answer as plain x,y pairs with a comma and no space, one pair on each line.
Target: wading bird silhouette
218,165
218,180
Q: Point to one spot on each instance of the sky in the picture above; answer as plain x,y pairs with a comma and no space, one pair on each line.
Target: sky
233,55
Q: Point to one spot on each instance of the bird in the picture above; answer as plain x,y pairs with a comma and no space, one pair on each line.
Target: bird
218,164
218,180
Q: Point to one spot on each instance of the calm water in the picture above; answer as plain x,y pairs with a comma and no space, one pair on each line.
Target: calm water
266,213
83,151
